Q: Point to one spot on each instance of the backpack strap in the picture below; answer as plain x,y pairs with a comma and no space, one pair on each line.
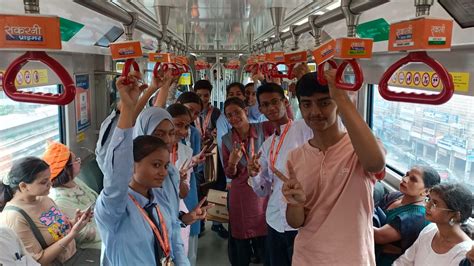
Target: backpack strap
33,227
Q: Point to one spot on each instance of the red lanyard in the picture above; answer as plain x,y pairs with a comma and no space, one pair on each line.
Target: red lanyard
204,126
274,156
174,154
252,150
163,240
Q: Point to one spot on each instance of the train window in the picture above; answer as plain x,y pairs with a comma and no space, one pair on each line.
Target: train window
26,127
441,136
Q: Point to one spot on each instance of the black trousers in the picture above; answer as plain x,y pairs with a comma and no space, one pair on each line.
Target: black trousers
240,250
279,247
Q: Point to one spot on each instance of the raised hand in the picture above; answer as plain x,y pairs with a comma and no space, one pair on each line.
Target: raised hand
236,154
300,70
253,167
128,93
184,169
198,213
201,157
292,189
334,92
164,79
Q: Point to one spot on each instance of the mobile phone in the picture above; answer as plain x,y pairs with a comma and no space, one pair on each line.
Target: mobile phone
90,208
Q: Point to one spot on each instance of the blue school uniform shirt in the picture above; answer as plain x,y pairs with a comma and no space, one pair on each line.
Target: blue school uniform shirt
191,200
127,238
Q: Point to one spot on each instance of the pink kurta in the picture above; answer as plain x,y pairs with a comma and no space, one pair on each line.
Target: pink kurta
339,206
246,209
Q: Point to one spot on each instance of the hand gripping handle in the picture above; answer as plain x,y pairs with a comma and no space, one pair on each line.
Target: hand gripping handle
38,97
274,70
126,69
321,79
175,71
359,76
411,97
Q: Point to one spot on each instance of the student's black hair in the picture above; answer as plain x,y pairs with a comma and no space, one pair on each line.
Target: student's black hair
457,198
23,170
309,85
178,109
270,88
145,145
203,85
250,84
234,101
431,177
189,97
65,175
235,84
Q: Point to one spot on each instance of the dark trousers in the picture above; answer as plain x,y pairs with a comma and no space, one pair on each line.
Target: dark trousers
279,247
241,250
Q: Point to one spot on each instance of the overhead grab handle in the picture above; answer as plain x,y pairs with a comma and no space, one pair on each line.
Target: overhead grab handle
165,67
11,91
321,79
358,76
412,97
126,69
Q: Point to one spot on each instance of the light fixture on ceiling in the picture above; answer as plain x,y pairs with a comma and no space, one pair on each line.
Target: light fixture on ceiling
334,5
301,22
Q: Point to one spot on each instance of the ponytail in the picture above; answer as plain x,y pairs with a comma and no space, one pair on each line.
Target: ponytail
23,170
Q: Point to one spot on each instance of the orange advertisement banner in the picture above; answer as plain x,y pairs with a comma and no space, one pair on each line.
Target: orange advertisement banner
324,52
159,57
126,50
260,58
275,57
295,58
183,60
30,32
348,48
252,60
420,34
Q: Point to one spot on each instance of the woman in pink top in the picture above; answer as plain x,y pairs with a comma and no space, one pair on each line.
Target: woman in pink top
330,185
246,209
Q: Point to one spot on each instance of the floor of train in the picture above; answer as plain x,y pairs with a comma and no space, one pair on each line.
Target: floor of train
212,250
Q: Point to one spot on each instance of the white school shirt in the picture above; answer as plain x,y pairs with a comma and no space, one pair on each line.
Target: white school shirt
12,251
267,183
421,253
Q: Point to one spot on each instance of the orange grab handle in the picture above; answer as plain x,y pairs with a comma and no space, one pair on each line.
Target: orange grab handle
411,97
321,79
38,97
359,76
126,69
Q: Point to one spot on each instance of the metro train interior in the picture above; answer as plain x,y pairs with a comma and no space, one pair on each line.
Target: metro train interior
78,78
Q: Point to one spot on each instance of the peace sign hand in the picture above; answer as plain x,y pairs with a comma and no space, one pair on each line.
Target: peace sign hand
198,213
184,169
292,189
253,167
201,157
236,154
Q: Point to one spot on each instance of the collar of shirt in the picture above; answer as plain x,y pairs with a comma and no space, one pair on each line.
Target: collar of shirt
142,200
236,137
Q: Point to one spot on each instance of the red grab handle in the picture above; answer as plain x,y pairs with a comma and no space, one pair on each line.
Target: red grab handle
126,69
359,76
411,97
274,70
38,97
321,79
165,67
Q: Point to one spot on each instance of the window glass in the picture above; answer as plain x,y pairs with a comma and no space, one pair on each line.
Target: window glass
26,127
441,136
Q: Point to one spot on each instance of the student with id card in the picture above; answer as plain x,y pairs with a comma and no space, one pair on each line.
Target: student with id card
12,251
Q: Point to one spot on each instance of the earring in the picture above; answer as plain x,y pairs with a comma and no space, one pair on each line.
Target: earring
451,222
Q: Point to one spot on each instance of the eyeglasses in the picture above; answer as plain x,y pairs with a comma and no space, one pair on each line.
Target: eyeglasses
432,206
272,102
77,160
